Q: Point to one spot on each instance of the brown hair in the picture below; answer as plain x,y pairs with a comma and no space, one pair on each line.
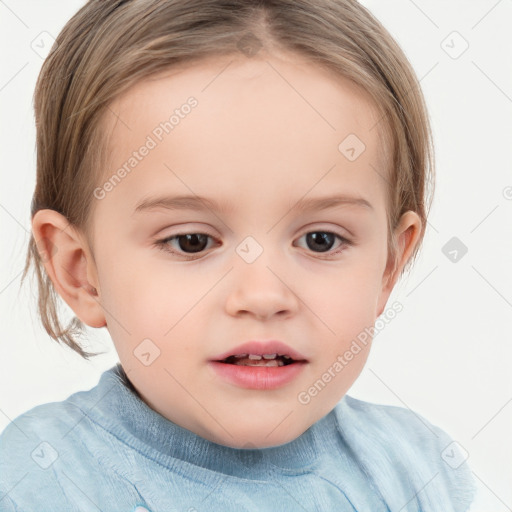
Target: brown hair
110,45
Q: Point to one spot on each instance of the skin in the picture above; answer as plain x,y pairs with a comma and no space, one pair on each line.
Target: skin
258,141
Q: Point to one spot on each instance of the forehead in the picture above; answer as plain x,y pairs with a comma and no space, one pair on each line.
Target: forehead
303,90
275,120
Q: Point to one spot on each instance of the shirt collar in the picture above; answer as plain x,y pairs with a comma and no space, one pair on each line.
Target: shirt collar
115,405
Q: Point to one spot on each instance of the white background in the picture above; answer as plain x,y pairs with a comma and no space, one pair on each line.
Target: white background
447,355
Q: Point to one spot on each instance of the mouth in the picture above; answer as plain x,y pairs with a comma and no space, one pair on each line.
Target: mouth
270,353
260,360
259,365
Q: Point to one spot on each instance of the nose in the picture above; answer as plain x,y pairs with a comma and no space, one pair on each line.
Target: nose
261,289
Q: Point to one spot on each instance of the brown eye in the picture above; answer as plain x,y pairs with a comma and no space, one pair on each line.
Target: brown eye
320,240
324,241
195,242
186,243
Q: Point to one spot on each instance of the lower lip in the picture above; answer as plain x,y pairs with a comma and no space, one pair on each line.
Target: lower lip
258,377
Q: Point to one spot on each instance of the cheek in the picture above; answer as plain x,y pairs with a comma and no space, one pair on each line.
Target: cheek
345,297
130,289
150,297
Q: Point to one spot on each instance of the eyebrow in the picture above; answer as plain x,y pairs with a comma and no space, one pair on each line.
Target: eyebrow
189,202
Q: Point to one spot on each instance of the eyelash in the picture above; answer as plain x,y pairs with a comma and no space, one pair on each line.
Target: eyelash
164,244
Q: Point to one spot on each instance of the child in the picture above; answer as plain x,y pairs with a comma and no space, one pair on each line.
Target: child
291,139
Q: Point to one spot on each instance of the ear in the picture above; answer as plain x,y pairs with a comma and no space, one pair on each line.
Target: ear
407,235
70,265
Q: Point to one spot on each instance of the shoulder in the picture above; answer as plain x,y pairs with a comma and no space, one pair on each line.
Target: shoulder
30,445
59,455
396,443
403,419
46,423
49,419
52,453
400,422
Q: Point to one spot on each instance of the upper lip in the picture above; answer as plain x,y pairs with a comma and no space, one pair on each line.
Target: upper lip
261,348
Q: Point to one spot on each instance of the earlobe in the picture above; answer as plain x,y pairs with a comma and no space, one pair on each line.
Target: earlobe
69,264
407,235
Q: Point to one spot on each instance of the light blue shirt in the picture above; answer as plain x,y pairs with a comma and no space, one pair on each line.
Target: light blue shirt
105,449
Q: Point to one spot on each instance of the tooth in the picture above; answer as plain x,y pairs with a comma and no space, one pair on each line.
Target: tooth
269,356
287,357
262,362
255,357
238,356
271,362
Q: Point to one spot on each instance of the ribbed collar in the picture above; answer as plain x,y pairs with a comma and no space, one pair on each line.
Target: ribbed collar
115,405
374,453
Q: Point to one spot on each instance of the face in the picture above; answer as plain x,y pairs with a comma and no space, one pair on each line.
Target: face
266,254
